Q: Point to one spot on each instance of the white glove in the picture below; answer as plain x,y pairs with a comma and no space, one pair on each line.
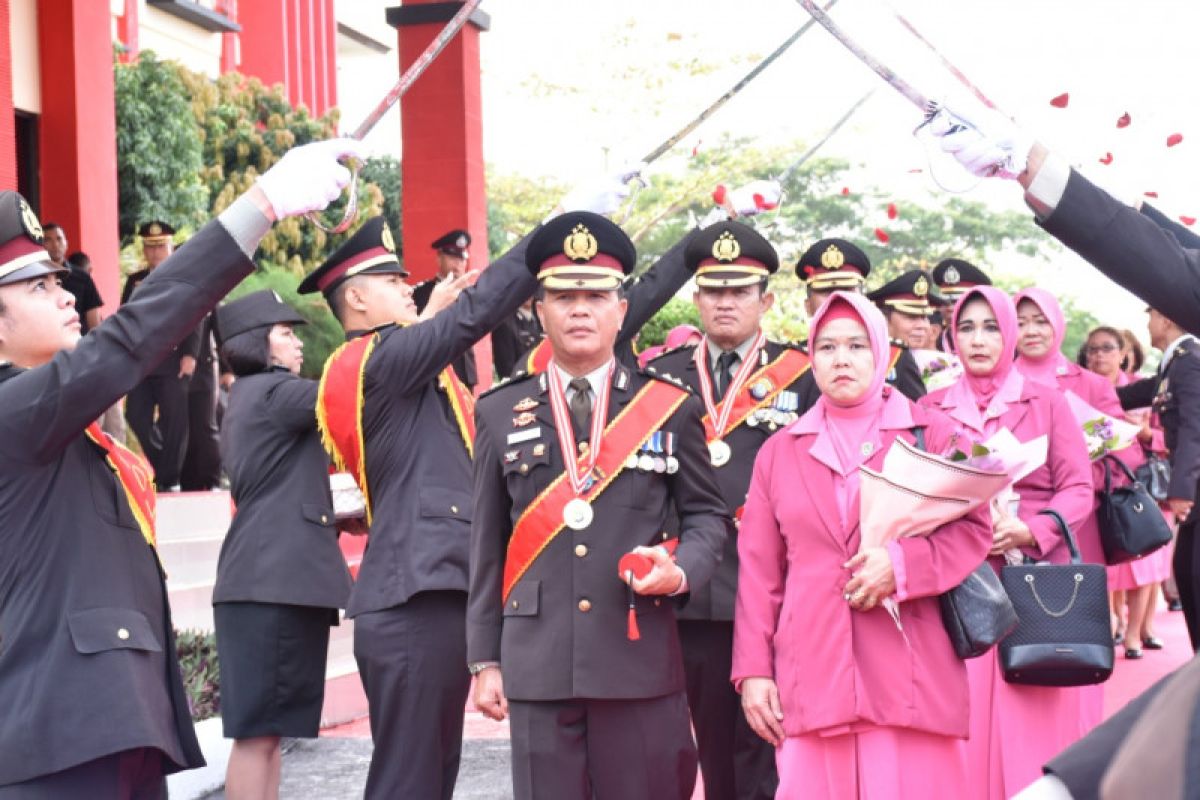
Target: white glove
987,143
755,197
603,196
309,177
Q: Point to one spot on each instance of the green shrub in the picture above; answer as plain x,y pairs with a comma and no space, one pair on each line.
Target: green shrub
201,673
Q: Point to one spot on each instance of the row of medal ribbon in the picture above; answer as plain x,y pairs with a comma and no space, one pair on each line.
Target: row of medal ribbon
784,410
657,454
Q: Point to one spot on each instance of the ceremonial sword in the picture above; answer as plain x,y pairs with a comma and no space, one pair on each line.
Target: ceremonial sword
828,135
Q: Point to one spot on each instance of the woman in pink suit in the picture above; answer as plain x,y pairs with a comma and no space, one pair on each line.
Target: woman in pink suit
856,707
1015,729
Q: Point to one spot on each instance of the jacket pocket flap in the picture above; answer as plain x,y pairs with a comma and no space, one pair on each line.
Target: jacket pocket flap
440,502
96,630
523,600
317,513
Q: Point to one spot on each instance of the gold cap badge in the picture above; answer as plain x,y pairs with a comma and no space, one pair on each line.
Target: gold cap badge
832,258
726,248
30,222
951,276
155,229
580,245
385,238
921,287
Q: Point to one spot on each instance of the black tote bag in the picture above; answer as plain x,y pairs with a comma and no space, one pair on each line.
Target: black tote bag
1131,525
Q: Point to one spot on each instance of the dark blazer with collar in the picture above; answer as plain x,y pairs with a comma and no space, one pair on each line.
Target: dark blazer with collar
715,600
282,544
548,646
87,651
418,469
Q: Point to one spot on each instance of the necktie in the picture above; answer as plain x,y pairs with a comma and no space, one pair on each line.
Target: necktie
581,405
723,373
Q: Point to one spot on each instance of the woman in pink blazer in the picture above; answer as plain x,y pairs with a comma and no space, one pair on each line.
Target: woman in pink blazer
1015,729
856,707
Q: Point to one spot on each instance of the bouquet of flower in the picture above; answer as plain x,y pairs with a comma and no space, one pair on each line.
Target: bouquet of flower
1103,433
938,369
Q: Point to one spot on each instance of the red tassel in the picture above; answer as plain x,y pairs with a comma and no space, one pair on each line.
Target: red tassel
631,627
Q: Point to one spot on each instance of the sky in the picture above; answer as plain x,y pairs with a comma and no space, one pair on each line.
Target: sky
572,88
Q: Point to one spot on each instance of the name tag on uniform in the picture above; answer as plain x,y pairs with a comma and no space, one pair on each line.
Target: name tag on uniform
525,436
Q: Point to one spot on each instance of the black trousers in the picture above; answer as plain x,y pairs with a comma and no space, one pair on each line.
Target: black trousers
131,775
602,749
1186,564
413,664
735,762
202,460
163,439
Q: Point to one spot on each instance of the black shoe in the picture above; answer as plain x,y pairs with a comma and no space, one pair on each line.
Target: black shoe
1152,643
1118,637
1132,654
1174,605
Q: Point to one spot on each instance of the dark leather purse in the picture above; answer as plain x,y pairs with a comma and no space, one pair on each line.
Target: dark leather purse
1130,523
1063,638
977,613
1155,475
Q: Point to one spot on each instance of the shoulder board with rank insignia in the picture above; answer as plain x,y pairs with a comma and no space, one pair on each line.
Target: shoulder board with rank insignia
500,384
651,372
677,349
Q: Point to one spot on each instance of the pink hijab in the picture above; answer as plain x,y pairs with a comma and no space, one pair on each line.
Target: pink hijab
1046,369
847,427
976,399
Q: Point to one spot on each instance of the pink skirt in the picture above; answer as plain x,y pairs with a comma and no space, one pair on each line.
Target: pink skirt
1016,729
879,763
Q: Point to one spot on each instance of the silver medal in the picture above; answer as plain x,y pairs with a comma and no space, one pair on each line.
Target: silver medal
578,514
719,452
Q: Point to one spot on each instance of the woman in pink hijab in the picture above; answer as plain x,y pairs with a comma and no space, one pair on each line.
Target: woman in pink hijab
856,707
1015,729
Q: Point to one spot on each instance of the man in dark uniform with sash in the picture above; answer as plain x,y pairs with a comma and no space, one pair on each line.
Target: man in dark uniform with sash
835,264
906,303
451,251
589,667
411,458
749,387
93,705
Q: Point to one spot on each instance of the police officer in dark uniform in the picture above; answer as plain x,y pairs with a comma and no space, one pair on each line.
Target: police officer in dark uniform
835,264
750,388
1175,394
202,459
907,302
954,277
515,337
409,601
157,408
452,254
93,705
591,667
281,577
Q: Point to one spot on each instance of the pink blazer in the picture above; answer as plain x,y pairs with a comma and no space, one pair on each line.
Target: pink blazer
837,668
1063,483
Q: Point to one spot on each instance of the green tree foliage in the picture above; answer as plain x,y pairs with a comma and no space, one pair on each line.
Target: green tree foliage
158,148
676,312
384,172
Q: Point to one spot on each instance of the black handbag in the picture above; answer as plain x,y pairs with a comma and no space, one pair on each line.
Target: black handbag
977,613
1063,638
1130,523
1155,475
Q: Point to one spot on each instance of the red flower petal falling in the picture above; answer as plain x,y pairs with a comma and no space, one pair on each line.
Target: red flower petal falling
893,212
1107,159
1189,221
1174,139
881,235
1124,120
1061,101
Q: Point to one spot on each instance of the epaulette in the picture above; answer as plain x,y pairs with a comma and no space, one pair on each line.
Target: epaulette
676,349
516,377
665,377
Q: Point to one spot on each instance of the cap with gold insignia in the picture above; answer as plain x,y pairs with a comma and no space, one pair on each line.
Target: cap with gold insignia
833,264
580,250
730,254
22,255
256,310
454,243
909,294
370,251
156,232
954,277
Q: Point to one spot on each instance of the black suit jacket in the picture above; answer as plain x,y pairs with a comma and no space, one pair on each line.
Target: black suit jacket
548,647
282,545
715,600
464,365
87,652
418,470
1129,248
168,365
516,336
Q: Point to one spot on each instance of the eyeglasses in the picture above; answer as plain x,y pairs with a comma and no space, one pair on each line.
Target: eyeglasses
1093,349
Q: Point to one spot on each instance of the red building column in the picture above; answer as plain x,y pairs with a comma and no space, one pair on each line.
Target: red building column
8,128
292,42
441,122
78,132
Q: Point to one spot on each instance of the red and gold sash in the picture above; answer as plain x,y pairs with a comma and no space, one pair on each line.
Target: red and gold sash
135,475
781,373
542,520
462,403
539,357
340,409
897,351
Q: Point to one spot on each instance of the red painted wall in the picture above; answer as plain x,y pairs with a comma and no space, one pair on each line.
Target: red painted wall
8,132
78,132
292,42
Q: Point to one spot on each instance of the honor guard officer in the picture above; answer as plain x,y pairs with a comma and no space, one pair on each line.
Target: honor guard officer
906,302
576,467
954,277
452,254
93,705
835,264
157,408
749,387
392,389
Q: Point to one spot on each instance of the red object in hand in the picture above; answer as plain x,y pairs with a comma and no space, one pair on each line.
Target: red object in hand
1061,101
882,235
1174,139
1189,221
636,565
1107,159
1124,120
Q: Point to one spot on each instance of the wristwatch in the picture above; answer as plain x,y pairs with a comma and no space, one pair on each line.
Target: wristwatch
480,666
